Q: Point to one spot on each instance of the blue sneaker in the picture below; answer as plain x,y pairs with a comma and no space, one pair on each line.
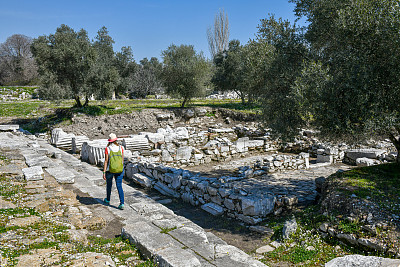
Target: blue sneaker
106,201
121,207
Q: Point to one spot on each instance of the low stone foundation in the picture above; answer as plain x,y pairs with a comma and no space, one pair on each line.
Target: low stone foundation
215,195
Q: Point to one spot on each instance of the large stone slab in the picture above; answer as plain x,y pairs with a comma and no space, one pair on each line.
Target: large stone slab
196,239
148,238
33,173
184,153
362,261
62,175
142,179
229,256
371,153
257,205
9,127
213,208
176,257
165,190
37,160
11,169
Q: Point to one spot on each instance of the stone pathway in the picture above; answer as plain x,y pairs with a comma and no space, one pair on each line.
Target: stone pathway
169,239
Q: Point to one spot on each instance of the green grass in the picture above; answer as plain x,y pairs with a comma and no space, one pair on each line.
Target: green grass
380,184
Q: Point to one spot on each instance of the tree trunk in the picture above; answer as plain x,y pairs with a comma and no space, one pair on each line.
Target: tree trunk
396,142
86,101
184,102
78,102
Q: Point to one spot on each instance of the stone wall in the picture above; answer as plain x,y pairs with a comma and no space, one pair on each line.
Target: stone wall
216,195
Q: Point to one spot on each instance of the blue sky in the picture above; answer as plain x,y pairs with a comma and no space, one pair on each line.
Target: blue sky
147,26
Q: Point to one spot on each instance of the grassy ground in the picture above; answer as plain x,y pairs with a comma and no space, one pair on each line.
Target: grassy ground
37,115
376,184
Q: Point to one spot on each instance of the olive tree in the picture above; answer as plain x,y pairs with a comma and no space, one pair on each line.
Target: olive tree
354,74
185,73
64,59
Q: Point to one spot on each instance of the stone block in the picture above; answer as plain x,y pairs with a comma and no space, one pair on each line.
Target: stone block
165,190
155,137
359,260
324,158
176,256
184,153
289,228
257,206
142,180
9,127
33,173
62,175
364,153
213,208
363,162
229,256
228,203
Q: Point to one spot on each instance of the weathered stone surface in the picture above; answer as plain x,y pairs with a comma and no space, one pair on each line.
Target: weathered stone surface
229,256
93,259
264,249
22,222
349,238
262,230
148,238
40,257
11,169
184,153
36,160
78,235
213,208
33,173
6,204
9,127
256,206
94,223
196,239
364,153
166,156
142,179
371,244
363,162
362,261
324,158
175,256
289,228
62,175
165,190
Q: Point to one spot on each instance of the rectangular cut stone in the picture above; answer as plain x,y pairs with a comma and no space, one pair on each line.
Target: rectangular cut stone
62,175
364,153
142,180
148,238
229,256
33,173
213,208
242,144
196,239
258,205
176,257
10,127
255,143
165,190
35,160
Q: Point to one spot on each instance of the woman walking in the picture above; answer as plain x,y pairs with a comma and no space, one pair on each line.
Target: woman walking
114,168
